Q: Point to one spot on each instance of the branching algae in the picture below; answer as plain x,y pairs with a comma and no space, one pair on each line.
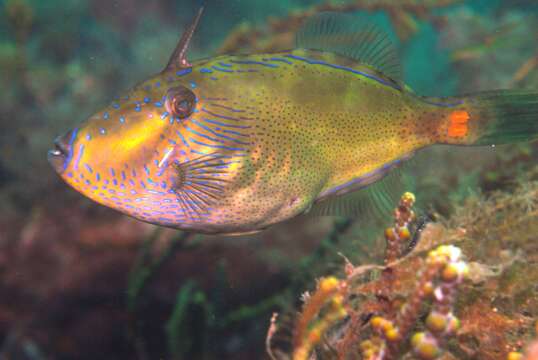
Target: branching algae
433,302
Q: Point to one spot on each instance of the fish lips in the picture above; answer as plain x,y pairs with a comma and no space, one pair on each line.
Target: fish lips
61,155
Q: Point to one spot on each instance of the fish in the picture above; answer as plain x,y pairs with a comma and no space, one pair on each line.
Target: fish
234,144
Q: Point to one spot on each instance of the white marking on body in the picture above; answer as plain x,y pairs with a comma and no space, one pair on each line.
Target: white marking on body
166,156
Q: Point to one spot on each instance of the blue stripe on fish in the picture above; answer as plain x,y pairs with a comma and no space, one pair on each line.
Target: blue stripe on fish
218,134
79,156
181,73
70,154
345,68
221,69
252,62
216,146
226,125
220,116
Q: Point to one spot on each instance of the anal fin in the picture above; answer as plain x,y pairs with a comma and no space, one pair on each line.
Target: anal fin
377,199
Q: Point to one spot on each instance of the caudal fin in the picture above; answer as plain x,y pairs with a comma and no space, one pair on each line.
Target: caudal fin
493,117
512,116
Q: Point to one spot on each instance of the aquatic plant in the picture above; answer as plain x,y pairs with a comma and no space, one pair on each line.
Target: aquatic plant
380,312
280,32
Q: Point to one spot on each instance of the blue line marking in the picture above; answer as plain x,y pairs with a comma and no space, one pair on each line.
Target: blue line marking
234,132
182,72
221,69
227,108
203,135
458,103
198,152
226,125
122,119
79,155
217,134
158,104
282,60
71,141
206,71
252,62
183,139
89,168
164,115
116,106
106,115
369,76
366,178
147,100
216,146
193,85
220,116
146,169
225,64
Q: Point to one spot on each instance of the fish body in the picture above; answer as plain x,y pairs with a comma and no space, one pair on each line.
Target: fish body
234,144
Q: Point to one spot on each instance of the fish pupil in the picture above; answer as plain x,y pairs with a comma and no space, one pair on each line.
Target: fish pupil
180,102
183,108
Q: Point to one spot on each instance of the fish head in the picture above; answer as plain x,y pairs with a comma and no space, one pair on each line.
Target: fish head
129,146
134,155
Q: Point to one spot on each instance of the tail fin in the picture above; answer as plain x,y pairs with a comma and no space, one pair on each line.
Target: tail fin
493,117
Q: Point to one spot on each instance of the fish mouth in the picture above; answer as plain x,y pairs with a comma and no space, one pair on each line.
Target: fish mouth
60,156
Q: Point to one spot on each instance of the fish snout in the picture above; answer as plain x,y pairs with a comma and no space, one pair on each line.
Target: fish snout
60,156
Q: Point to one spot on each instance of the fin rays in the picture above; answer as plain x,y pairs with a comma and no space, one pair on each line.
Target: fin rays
376,199
200,183
360,40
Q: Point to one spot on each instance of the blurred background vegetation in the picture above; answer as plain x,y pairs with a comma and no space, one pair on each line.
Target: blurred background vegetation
82,281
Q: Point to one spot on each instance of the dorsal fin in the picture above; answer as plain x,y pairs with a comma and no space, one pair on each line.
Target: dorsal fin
348,36
178,60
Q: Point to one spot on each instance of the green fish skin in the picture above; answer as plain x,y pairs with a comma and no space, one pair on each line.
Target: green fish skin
234,144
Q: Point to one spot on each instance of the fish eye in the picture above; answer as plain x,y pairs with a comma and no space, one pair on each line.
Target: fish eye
180,102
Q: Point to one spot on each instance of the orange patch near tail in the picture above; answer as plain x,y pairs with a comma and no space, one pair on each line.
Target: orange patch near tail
458,123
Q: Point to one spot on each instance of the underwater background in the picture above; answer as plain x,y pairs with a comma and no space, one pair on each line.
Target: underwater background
80,281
